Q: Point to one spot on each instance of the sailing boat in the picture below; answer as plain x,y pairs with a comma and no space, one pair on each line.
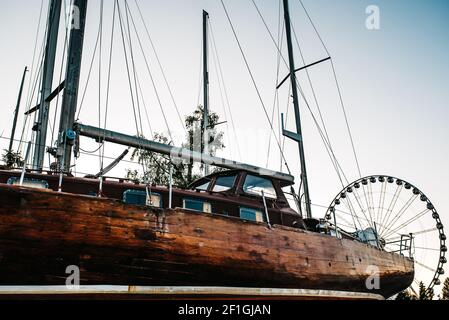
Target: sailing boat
234,228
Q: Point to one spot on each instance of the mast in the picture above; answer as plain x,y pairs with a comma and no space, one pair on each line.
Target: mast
16,114
205,137
47,82
69,102
299,137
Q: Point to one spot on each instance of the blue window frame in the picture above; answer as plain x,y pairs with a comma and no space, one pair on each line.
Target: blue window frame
197,205
252,214
31,183
139,197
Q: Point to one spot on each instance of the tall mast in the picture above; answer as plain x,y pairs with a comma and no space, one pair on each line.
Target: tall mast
299,138
47,82
69,102
205,137
16,113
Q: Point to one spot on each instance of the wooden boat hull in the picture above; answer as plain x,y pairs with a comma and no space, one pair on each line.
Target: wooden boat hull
43,232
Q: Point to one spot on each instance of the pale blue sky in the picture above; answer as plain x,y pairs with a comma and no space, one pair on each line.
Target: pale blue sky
394,82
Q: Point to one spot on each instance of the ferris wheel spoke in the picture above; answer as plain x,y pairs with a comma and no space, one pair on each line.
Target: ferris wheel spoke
341,213
382,195
408,222
404,226
371,199
362,208
429,249
351,211
393,202
370,222
356,217
414,234
367,204
424,266
401,212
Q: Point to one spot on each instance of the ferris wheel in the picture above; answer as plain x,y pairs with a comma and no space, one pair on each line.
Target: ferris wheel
402,219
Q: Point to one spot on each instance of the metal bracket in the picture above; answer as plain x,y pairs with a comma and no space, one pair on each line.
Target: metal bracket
300,69
289,134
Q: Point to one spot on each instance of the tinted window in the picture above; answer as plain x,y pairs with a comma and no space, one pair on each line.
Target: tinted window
224,183
203,186
255,185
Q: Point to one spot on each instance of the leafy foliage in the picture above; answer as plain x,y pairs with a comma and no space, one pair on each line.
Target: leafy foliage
12,159
423,293
157,166
445,290
405,295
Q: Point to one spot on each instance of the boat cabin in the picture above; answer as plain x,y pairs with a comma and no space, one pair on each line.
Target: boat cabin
233,193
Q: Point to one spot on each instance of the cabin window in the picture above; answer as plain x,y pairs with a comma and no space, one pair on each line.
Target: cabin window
30,183
202,185
197,205
252,215
255,185
224,183
139,197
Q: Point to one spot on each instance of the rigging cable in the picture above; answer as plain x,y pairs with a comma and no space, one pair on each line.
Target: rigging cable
108,84
338,88
32,88
128,13
161,67
254,83
276,93
221,96
225,90
128,69
133,65
323,137
152,80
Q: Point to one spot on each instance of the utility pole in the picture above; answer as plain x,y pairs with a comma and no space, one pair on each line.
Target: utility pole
47,82
67,136
16,112
205,137
298,136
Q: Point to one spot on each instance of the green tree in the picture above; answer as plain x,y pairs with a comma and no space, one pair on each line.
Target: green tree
425,293
445,290
12,159
157,166
405,295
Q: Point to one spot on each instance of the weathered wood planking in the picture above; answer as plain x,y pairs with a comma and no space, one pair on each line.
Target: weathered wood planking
42,232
